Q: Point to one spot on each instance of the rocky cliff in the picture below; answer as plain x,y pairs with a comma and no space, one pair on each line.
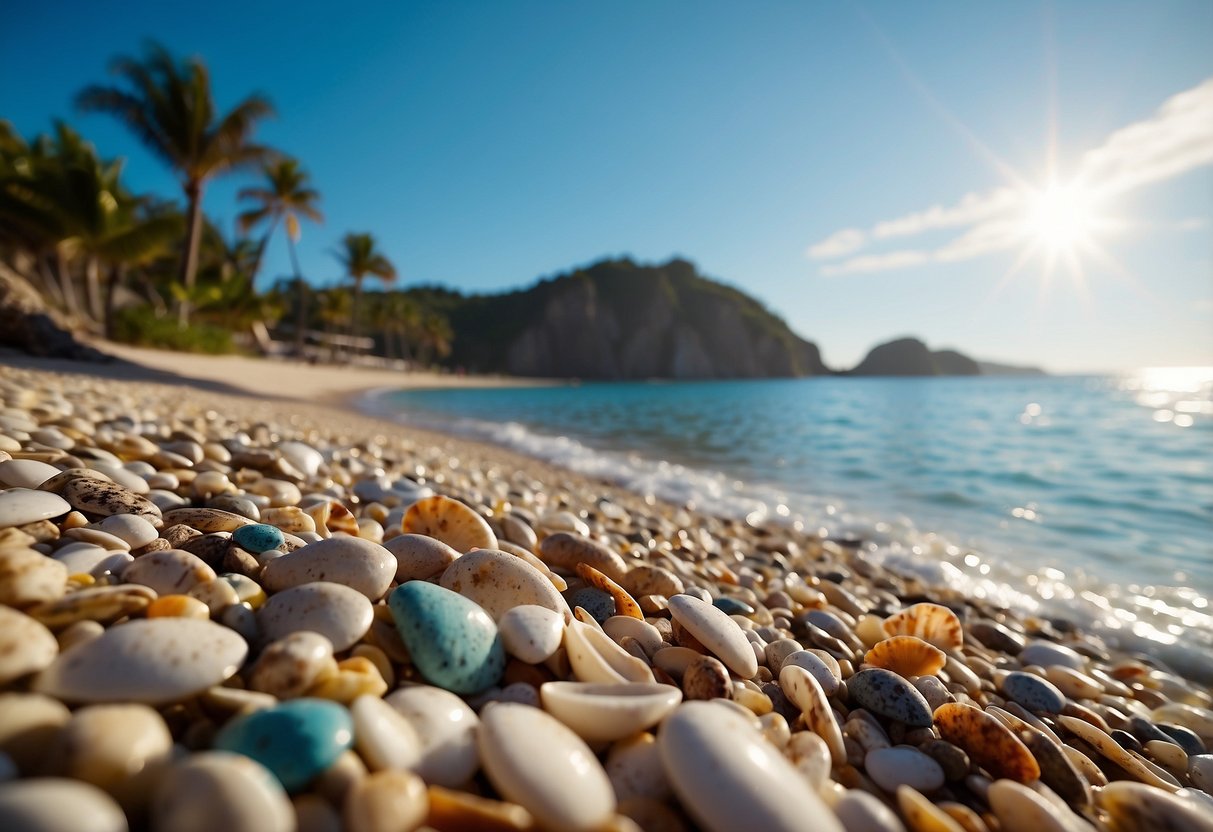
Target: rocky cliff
911,357
619,320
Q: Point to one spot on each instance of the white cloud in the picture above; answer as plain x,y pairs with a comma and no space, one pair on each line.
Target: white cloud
1177,139
838,244
868,263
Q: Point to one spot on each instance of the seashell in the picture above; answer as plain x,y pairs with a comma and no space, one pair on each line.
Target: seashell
717,632
450,521
987,741
728,777
618,627
884,692
806,694
535,761
1136,807
1109,748
103,604
595,658
624,603
933,623
607,712
906,656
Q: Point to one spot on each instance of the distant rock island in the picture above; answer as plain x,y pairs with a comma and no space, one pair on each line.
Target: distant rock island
619,320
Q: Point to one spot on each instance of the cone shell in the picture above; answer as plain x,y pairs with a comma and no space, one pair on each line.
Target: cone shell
987,741
932,623
450,521
907,656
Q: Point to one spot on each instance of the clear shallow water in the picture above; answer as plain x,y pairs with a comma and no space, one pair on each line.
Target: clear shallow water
1090,497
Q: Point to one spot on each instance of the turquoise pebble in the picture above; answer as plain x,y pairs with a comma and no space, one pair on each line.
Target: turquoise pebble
452,640
600,605
258,538
731,606
296,740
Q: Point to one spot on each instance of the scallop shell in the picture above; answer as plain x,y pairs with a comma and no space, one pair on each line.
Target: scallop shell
907,656
932,623
987,741
450,521
624,603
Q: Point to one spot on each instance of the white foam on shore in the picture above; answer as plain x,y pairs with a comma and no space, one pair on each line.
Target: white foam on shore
1174,624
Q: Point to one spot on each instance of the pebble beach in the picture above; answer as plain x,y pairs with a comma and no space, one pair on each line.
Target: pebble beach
256,613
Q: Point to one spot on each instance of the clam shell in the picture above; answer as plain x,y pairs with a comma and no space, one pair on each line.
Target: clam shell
607,712
932,623
450,521
907,656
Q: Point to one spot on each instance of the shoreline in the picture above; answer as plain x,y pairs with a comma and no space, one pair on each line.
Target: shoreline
339,394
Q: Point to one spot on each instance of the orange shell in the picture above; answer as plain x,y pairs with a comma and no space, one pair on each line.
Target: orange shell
624,603
988,742
932,623
450,521
907,656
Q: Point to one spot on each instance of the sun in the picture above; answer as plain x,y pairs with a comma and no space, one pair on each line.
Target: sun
1060,218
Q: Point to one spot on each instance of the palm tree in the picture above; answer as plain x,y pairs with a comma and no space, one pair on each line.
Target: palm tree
285,197
168,105
361,260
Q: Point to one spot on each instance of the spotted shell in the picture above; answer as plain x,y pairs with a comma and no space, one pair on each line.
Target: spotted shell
987,741
624,603
450,521
932,623
907,656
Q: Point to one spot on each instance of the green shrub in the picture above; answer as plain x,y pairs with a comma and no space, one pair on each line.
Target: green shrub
140,326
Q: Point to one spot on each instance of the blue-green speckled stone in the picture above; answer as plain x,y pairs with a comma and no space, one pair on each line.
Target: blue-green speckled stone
597,603
731,606
258,538
295,740
452,640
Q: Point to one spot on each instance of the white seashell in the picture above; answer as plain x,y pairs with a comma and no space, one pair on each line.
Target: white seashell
595,658
728,777
535,761
607,712
717,632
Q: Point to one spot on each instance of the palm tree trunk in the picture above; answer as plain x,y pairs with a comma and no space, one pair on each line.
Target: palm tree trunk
46,277
354,322
189,259
117,277
300,297
92,278
65,283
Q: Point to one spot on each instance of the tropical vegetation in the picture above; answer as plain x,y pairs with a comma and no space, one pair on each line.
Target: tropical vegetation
155,269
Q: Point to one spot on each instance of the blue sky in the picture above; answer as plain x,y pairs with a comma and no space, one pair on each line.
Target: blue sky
489,144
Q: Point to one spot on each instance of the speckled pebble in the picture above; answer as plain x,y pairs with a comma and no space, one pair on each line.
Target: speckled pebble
296,740
340,614
453,642
1034,693
258,538
884,692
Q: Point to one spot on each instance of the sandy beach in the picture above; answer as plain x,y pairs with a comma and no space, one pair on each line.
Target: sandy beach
441,634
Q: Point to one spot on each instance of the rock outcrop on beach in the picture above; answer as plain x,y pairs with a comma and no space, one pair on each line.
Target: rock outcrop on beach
911,357
620,320
27,325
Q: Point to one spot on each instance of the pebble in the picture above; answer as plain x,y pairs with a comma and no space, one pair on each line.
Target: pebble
295,740
104,497
25,473
717,632
1136,807
168,572
386,801
565,550
885,693
728,777
117,748
446,727
149,661
987,741
258,538
220,790
359,564
1034,693
340,614
903,766
1046,654
26,646
608,712
453,642
419,557
19,506
289,666
383,736
535,761
52,804
862,812
803,690
530,633
498,581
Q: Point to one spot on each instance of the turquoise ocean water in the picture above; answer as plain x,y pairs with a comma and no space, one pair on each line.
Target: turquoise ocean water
1091,497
